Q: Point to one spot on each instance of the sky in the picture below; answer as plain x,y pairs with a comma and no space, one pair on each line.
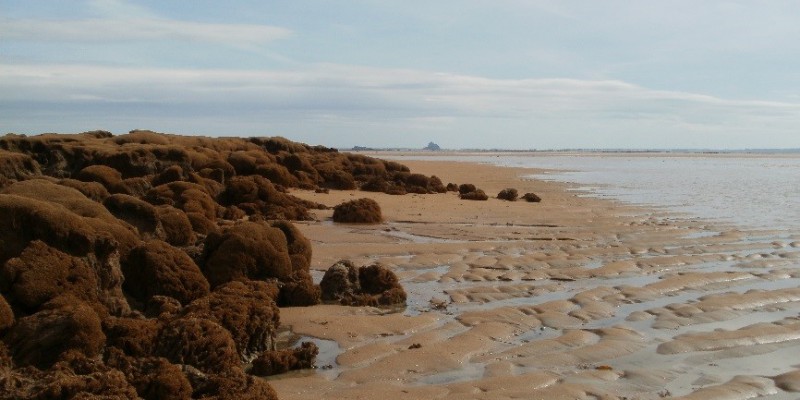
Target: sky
511,74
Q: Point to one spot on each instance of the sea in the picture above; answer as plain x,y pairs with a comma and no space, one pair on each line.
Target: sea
748,190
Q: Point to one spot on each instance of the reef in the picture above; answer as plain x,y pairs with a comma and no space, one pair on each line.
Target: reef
468,191
531,198
359,211
153,265
509,194
373,285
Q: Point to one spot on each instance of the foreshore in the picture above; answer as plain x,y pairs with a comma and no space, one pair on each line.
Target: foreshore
574,297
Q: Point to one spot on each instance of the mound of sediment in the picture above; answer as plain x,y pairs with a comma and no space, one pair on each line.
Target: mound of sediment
153,265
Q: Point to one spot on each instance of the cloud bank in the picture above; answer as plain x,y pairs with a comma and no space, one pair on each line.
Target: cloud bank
334,99
513,74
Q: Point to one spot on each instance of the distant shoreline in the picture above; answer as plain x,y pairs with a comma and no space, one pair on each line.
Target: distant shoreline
569,151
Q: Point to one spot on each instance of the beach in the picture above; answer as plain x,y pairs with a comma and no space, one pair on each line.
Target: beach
164,266
574,297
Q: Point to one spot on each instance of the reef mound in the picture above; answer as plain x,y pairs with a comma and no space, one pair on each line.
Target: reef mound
373,285
154,265
359,211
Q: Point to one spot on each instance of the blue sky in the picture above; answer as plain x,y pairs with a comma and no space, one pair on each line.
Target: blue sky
464,74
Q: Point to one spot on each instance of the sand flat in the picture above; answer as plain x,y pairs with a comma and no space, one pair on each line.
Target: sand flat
573,297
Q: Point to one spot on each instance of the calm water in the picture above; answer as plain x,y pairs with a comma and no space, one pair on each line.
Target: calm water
749,191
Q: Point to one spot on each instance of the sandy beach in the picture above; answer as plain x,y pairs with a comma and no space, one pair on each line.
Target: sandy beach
574,297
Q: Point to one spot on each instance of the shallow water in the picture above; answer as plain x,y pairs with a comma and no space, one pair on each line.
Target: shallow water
674,275
753,191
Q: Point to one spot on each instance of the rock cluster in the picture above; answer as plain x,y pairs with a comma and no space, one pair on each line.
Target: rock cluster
360,211
153,265
373,285
509,194
468,191
531,198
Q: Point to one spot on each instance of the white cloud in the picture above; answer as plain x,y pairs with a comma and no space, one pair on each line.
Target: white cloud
330,97
109,30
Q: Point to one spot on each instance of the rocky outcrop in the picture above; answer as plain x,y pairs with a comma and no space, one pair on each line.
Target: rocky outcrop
468,191
531,198
509,194
478,194
373,285
17,166
42,273
199,342
247,250
247,310
153,378
280,361
360,211
6,315
154,268
153,265
76,377
63,325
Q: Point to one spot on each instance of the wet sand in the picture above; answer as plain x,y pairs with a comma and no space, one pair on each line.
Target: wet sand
574,297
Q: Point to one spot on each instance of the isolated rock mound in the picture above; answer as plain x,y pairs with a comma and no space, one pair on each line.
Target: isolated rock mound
468,191
531,198
360,211
509,194
478,194
364,286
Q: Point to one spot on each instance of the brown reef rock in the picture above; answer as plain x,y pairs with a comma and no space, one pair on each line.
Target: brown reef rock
153,265
280,361
509,194
156,268
64,324
245,309
247,250
371,285
468,191
360,211
531,198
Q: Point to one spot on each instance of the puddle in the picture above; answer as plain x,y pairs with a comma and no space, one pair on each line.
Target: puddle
469,372
420,239
326,364
701,234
